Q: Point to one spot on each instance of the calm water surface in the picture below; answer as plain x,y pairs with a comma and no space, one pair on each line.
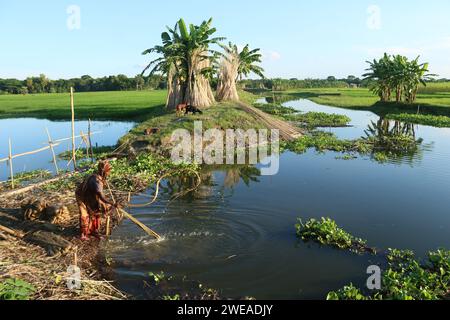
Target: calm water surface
29,134
236,233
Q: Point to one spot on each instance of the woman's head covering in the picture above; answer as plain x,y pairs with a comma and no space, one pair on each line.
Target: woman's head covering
104,168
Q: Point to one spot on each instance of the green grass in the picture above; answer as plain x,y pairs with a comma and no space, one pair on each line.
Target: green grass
221,116
114,105
428,120
432,100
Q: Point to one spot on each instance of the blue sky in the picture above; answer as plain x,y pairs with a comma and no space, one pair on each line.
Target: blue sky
299,38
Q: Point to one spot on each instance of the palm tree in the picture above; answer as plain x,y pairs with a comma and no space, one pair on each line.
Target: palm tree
186,59
236,64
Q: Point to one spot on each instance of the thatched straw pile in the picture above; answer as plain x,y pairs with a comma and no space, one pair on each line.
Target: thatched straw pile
226,89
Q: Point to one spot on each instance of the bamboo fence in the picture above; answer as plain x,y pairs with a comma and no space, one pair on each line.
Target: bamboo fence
85,138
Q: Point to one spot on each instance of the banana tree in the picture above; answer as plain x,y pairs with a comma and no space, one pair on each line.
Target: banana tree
397,74
234,65
186,59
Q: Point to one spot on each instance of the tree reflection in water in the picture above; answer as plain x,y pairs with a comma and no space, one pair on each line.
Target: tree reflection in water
233,174
394,140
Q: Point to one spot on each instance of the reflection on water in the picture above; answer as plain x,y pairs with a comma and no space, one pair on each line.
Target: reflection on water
396,141
237,232
29,134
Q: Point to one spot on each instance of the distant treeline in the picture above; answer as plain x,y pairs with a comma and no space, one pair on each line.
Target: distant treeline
86,83
290,84
121,82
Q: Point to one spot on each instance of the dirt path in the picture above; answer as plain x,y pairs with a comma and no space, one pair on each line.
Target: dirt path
287,131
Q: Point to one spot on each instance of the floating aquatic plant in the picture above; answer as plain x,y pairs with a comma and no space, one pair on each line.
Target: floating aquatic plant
407,278
326,231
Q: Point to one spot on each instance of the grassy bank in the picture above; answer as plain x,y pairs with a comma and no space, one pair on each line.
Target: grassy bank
430,101
221,116
114,105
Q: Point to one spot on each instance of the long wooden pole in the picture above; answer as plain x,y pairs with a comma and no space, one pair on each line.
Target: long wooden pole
29,152
11,171
90,141
70,138
149,231
50,143
86,143
72,108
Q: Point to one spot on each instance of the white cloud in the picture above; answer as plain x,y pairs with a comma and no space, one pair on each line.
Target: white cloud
269,55
416,50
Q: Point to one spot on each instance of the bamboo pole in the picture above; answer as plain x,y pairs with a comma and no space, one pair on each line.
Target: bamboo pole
11,171
50,144
70,138
149,231
90,141
29,152
73,129
86,142
11,232
71,159
34,186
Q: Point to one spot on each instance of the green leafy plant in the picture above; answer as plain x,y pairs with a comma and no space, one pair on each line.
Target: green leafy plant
16,289
319,119
174,297
158,277
325,231
407,278
349,292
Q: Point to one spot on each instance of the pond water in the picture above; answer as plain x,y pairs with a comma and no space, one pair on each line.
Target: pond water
236,233
29,134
